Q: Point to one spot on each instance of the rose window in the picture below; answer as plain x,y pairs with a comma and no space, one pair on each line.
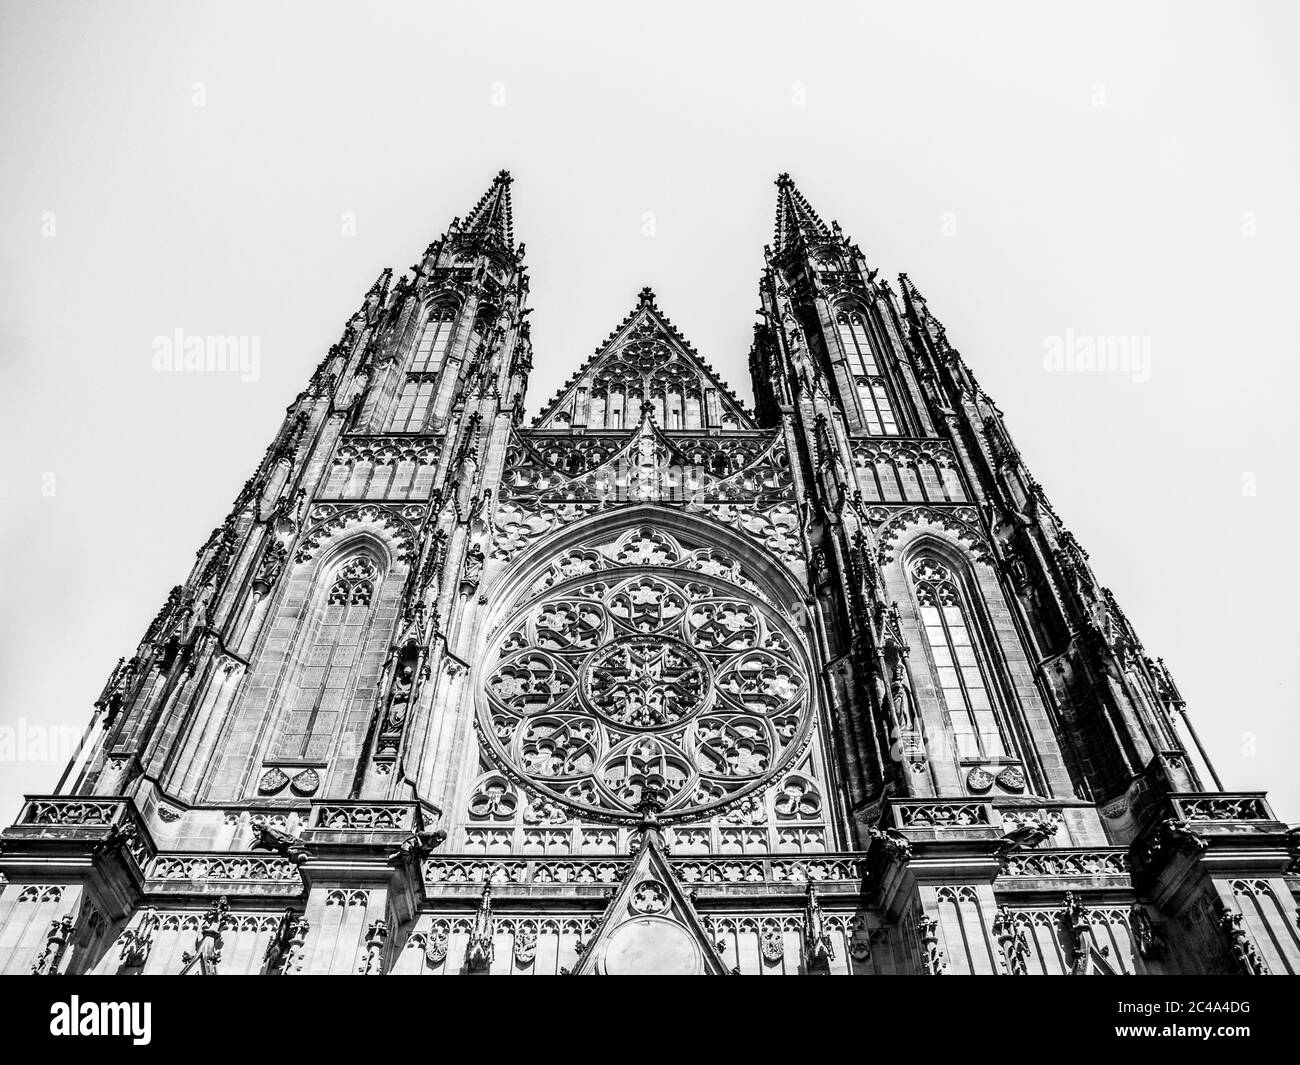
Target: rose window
646,681
683,683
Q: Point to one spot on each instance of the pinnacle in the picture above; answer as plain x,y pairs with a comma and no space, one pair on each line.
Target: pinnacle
381,282
491,216
795,217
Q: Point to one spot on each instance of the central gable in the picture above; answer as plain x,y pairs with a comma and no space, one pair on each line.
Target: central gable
645,361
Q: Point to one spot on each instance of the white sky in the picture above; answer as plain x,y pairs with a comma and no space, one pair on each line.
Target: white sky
1098,163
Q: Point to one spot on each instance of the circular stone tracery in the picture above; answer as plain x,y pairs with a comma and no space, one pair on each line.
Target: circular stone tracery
609,683
646,682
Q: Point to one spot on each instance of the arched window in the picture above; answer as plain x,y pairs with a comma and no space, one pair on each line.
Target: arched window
324,687
962,675
853,335
434,341
672,683
873,394
416,396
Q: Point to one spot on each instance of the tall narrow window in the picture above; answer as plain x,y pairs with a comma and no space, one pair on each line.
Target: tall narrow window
435,338
415,398
853,335
961,674
324,687
413,403
877,414
873,394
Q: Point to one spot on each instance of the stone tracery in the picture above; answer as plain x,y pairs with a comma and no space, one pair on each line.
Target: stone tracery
677,679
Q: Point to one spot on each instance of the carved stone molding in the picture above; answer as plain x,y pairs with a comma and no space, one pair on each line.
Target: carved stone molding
1066,863
774,871
400,523
960,523
197,868
940,814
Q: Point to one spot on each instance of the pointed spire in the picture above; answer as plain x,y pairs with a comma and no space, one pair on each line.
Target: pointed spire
378,293
380,287
795,218
481,949
491,216
911,293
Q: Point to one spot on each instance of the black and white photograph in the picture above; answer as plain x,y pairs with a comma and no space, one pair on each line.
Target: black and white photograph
717,488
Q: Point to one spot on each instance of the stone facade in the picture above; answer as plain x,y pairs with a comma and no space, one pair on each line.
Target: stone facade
656,682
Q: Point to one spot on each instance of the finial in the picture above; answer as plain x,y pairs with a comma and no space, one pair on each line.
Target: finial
653,797
381,283
795,218
646,297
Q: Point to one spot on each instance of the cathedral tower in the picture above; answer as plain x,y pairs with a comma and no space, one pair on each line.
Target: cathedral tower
655,682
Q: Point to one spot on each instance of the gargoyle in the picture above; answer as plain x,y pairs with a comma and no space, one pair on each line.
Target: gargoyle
893,842
418,845
1028,835
266,837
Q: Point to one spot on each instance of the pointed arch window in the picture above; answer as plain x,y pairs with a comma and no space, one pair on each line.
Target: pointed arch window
415,398
324,687
853,335
961,672
435,339
873,393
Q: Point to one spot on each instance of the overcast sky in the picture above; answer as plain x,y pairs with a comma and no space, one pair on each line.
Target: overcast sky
1041,172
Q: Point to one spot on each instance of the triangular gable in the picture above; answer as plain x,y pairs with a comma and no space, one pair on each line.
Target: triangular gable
645,360
650,927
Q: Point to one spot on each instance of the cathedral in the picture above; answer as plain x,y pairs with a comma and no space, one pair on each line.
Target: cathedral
656,682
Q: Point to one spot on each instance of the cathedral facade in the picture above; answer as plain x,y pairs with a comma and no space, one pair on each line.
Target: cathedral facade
656,683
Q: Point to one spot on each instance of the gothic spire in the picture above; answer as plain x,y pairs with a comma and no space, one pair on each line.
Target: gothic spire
380,287
491,217
795,217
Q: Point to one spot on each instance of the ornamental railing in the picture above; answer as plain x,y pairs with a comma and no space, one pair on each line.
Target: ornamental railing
111,822
1078,864
702,871
939,813
223,868
1219,806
